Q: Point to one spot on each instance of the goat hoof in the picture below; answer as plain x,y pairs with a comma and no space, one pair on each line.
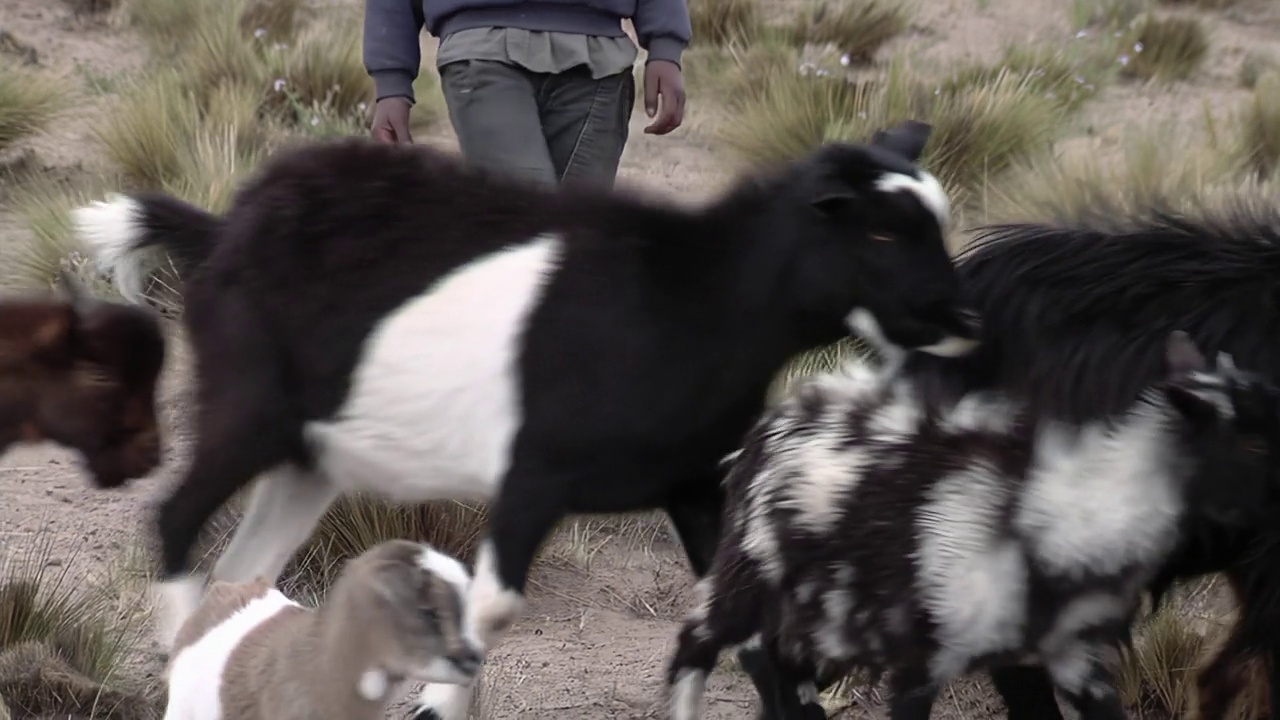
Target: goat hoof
425,714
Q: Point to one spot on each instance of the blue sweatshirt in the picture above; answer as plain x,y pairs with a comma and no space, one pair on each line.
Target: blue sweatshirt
391,28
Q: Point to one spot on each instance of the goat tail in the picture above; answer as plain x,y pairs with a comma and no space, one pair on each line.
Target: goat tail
121,231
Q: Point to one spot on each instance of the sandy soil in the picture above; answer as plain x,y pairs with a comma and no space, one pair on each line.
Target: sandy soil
598,629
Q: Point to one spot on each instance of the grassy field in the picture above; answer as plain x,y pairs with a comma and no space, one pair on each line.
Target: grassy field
1042,109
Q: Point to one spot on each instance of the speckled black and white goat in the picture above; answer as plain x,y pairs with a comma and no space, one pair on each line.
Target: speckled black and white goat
867,528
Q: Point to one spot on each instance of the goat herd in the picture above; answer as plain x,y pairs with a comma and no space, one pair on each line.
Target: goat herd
1059,421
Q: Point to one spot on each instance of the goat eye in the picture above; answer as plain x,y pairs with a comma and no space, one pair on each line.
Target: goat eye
430,615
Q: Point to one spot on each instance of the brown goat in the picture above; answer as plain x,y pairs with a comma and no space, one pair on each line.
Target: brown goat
393,617
82,373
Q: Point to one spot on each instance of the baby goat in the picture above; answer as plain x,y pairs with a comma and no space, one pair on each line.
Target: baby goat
867,528
393,617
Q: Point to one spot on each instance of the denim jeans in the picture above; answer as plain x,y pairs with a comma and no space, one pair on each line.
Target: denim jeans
564,127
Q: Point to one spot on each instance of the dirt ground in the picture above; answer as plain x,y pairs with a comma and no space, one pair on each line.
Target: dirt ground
603,612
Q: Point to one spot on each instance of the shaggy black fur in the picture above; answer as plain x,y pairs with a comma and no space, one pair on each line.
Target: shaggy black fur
1074,319
857,458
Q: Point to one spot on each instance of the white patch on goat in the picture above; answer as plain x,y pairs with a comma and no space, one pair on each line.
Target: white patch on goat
927,190
373,685
979,411
822,475
830,638
283,509
896,419
178,600
1210,388
686,694
1079,615
972,583
950,346
759,536
448,702
1098,500
447,568
702,593
435,399
490,604
1070,669
808,693
195,674
864,324
110,228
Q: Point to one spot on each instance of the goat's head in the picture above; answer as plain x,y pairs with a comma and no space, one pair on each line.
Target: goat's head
83,373
1232,420
866,226
417,596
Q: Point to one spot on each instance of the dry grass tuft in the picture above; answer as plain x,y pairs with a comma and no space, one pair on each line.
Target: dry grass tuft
857,28
61,643
719,22
29,100
272,21
1106,14
146,131
356,523
1155,676
1259,128
1167,49
982,125
1069,77
322,75
1146,176
981,131
822,360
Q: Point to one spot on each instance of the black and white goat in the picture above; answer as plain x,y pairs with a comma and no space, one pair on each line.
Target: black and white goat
1074,321
865,527
384,318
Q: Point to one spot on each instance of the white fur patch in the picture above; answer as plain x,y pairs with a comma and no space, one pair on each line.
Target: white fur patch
176,600
489,603
972,584
808,693
927,188
831,640
110,228
864,324
1099,501
435,399
195,675
373,685
283,510
686,694
447,568
447,701
950,346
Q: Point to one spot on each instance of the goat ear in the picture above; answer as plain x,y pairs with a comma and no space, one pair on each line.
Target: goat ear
907,139
1182,357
